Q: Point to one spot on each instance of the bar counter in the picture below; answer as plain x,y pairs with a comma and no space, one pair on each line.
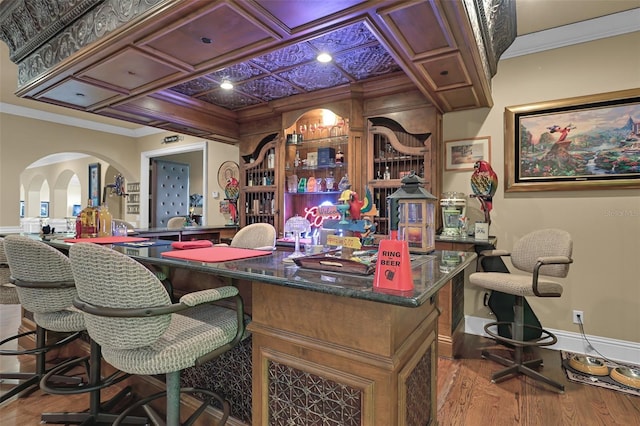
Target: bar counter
325,347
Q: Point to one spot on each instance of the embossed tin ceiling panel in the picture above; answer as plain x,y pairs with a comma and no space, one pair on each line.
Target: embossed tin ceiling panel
294,69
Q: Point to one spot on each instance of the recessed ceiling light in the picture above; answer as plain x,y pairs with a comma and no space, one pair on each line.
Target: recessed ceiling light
226,85
324,57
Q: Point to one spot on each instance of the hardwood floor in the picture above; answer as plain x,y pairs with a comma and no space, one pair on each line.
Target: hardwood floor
466,395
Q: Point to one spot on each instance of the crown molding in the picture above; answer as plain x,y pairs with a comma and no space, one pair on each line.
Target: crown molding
36,114
581,32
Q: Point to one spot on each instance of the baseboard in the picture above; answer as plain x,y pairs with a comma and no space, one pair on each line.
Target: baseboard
618,350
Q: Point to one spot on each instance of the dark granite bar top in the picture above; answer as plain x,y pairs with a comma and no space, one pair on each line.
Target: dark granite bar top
430,273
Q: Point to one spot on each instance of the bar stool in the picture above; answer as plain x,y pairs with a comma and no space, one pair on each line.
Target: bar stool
538,255
46,288
29,381
8,292
129,313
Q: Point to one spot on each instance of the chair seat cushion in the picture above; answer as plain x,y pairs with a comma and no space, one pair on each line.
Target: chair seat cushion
519,285
191,334
64,321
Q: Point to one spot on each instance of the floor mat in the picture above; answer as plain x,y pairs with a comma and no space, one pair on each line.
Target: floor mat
601,381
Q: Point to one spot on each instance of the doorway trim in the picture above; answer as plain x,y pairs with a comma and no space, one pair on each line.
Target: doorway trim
146,156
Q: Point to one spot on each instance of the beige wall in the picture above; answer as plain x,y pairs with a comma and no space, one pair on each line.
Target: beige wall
604,281
25,140
217,153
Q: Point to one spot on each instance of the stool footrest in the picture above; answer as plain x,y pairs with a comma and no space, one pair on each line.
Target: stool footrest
547,338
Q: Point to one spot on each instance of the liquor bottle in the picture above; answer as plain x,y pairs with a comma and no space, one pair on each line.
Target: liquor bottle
89,221
104,221
79,225
296,161
339,157
387,173
271,159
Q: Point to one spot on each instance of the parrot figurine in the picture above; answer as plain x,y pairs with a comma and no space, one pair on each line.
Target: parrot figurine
232,192
355,206
484,183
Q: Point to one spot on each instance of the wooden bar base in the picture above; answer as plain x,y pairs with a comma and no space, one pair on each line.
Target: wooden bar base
318,358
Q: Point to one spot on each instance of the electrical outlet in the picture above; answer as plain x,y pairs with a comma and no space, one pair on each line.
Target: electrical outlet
578,317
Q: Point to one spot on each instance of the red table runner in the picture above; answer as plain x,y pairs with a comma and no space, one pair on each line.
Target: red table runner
215,254
105,240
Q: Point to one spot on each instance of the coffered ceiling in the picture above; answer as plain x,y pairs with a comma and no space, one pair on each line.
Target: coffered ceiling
163,66
160,62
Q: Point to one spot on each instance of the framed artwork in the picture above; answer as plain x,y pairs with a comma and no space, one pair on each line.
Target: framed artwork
21,208
463,153
227,170
44,209
588,142
94,183
75,211
133,187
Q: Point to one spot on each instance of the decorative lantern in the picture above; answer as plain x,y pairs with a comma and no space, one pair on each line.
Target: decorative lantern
412,213
454,207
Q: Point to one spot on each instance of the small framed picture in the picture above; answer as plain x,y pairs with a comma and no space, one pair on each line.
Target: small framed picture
94,183
75,211
44,209
462,154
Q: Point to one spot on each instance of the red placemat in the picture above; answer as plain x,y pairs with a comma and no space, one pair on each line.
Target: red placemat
105,240
215,254
188,245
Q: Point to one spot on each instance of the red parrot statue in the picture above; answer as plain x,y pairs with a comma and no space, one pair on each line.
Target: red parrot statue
232,192
484,183
355,206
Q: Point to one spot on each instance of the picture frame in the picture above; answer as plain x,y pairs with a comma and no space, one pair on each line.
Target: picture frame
581,143
133,187
94,183
228,169
75,210
44,209
462,154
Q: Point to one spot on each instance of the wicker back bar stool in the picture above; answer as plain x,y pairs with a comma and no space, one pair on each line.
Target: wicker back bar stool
129,313
46,287
49,314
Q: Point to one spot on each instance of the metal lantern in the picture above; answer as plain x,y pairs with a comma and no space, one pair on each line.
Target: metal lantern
412,214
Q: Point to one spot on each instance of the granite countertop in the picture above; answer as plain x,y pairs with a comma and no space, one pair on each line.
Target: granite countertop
430,272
